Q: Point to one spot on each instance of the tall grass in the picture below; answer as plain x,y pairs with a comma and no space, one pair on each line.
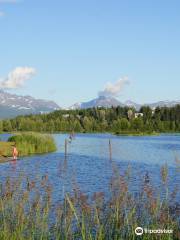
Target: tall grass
30,143
6,149
29,213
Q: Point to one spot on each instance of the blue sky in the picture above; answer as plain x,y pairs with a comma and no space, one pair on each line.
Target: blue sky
77,47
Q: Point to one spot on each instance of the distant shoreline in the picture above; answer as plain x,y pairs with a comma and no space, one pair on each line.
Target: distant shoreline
123,133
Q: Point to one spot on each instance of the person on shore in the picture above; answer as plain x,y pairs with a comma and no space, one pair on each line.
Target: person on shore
15,152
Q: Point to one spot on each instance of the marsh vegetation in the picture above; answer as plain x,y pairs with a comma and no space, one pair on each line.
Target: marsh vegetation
28,212
27,143
33,143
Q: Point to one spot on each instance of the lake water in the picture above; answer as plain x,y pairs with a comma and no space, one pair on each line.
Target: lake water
89,165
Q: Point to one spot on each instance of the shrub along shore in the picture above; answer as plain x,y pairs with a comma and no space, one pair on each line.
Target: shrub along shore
27,143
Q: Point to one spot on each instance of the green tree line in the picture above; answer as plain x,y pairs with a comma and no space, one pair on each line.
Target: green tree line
114,119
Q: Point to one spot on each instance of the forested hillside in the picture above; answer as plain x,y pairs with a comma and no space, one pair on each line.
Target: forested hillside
115,119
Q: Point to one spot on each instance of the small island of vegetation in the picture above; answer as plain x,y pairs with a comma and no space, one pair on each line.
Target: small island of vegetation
27,143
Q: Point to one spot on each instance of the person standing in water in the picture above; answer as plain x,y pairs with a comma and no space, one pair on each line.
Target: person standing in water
14,152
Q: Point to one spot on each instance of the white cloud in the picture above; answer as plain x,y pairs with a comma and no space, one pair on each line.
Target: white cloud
17,77
113,90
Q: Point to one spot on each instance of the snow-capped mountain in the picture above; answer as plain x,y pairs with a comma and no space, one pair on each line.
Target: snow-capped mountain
12,105
109,102
163,103
97,102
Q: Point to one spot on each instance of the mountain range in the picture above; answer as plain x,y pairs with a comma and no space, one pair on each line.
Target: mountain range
110,101
12,105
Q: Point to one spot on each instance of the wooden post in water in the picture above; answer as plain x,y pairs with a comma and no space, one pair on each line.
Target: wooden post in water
110,150
65,147
65,155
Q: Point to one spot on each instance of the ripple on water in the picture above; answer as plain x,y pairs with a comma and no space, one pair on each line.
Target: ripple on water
88,163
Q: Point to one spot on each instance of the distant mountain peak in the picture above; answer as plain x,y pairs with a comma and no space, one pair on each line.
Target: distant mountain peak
107,102
101,101
12,105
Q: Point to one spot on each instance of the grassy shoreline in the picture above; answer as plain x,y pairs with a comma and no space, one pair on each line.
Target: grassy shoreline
27,144
123,133
137,133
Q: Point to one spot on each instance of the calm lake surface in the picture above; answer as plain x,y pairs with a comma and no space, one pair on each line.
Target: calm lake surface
88,162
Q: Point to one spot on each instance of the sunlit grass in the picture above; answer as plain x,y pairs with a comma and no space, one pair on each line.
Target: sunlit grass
31,143
6,149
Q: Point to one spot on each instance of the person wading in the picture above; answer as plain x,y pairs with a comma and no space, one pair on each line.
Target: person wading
14,152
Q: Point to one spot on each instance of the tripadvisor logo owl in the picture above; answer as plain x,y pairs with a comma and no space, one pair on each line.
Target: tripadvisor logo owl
139,231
